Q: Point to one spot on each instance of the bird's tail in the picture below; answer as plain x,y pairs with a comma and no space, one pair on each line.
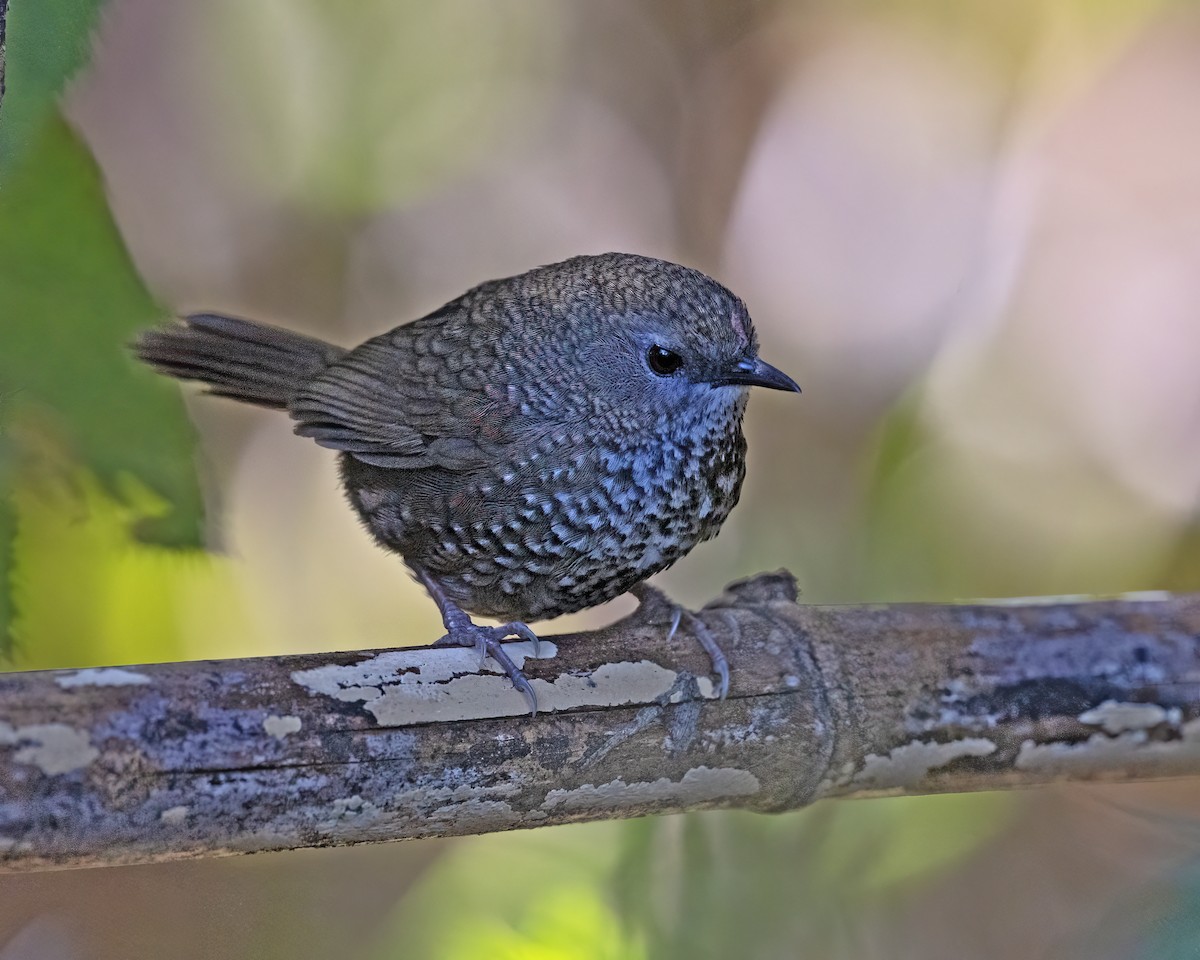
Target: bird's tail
251,362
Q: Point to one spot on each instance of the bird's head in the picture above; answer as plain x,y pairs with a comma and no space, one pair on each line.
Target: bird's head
647,340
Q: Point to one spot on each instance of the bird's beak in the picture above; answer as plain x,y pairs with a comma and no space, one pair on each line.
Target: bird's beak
758,373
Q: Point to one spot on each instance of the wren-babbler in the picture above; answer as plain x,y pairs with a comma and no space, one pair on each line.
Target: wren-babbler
542,444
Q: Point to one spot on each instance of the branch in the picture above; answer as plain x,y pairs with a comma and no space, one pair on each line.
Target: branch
121,765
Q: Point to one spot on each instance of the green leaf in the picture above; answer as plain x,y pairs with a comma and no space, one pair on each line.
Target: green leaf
46,42
71,300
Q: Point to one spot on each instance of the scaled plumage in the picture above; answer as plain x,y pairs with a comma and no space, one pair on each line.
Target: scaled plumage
538,446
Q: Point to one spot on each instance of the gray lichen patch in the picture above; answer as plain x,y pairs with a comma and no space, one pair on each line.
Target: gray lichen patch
906,766
1117,717
102,677
353,814
355,806
482,816
53,748
478,695
422,666
280,727
1133,750
403,687
699,785
174,816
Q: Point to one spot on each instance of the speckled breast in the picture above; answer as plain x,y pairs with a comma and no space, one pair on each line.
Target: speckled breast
563,528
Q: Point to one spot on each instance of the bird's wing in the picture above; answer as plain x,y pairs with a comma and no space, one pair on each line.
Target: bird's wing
407,400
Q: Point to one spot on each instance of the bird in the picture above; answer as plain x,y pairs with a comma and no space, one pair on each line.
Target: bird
539,445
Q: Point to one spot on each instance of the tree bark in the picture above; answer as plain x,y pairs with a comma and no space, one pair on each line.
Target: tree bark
122,765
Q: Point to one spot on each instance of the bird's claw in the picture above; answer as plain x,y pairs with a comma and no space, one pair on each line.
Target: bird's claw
518,629
720,663
488,642
651,599
675,624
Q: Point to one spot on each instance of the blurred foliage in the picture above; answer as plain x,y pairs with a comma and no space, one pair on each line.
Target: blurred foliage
1160,921
947,523
719,884
71,300
46,44
1171,921
923,541
8,525
516,895
561,924
86,592
681,883
353,113
1013,37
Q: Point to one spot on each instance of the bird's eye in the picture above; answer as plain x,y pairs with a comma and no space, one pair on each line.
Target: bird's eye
662,361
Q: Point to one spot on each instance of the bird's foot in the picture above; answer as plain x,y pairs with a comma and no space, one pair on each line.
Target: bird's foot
461,631
488,642
654,601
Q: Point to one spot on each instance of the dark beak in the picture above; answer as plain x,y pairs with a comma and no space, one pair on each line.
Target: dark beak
758,373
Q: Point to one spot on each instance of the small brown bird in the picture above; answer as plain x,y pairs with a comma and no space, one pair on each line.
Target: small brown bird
540,445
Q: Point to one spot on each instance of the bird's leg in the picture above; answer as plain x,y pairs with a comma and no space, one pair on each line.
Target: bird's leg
650,597
461,631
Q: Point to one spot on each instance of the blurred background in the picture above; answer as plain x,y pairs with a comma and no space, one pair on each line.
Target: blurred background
970,230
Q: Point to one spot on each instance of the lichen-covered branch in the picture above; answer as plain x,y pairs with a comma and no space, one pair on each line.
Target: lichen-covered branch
120,765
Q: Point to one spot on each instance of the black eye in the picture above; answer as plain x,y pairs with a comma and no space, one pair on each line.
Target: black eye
662,361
